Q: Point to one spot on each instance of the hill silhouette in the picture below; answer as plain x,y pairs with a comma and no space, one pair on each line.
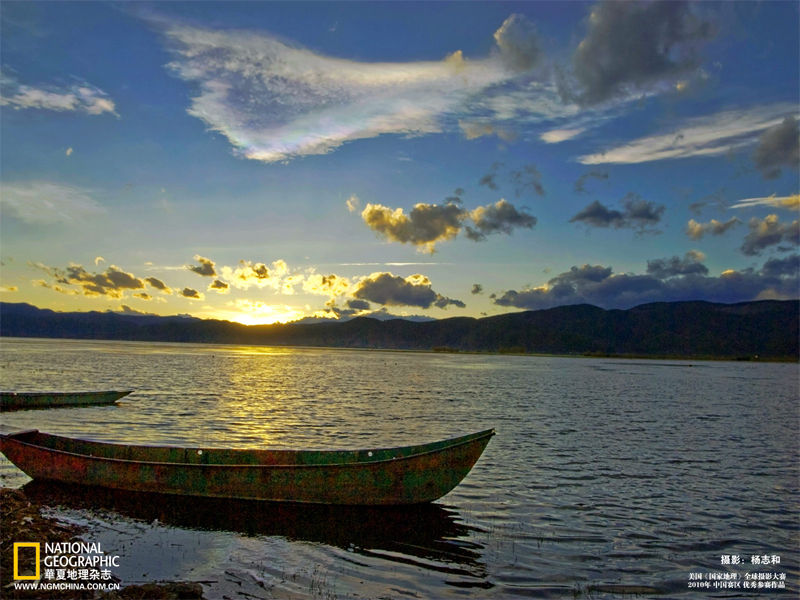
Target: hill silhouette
766,329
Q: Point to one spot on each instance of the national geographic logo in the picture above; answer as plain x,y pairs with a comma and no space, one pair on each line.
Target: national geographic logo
64,560
28,547
63,566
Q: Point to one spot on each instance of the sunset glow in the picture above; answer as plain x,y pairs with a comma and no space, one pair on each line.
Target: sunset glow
256,313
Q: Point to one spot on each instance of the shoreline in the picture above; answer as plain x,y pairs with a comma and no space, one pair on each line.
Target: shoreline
765,329
23,522
440,350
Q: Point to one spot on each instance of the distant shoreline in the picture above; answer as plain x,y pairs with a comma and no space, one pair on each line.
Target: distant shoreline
767,330
676,357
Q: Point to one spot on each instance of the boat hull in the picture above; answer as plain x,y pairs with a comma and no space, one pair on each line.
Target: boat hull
23,400
410,475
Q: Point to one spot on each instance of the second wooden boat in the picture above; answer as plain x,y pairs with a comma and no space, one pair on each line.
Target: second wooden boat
22,400
378,476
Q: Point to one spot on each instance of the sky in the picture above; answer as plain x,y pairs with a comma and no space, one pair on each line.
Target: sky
267,162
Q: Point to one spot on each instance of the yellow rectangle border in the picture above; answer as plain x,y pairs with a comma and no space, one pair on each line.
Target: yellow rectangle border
17,546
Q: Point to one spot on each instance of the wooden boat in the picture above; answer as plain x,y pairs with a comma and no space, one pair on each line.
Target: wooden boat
379,476
20,400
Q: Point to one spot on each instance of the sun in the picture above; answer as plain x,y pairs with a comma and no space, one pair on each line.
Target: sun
253,312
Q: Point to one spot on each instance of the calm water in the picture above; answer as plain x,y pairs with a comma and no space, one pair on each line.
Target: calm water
605,476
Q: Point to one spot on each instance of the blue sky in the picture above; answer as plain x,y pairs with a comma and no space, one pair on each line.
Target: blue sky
268,161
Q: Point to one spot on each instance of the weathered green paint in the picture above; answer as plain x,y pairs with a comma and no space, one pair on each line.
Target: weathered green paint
23,400
407,475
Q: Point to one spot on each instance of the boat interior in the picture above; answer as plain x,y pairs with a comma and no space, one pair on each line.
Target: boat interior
222,456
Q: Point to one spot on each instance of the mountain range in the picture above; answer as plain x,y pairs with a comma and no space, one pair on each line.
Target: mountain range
768,329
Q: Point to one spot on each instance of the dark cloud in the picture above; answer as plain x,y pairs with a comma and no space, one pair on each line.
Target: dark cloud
121,280
715,199
442,302
633,45
456,197
388,289
637,214
598,215
527,178
335,312
578,275
517,40
219,286
425,225
640,213
500,217
358,304
477,288
391,290
127,310
778,267
769,231
778,147
113,282
697,207
428,224
352,308
697,230
489,180
670,280
580,183
206,268
190,293
690,264
158,284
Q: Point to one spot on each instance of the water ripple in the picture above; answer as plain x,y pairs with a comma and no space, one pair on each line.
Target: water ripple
606,478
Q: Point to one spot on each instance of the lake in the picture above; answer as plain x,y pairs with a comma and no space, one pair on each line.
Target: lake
607,477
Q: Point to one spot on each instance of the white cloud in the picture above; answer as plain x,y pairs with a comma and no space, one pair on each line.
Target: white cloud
711,135
326,285
791,202
526,102
476,129
353,203
275,102
560,135
260,275
43,202
76,98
